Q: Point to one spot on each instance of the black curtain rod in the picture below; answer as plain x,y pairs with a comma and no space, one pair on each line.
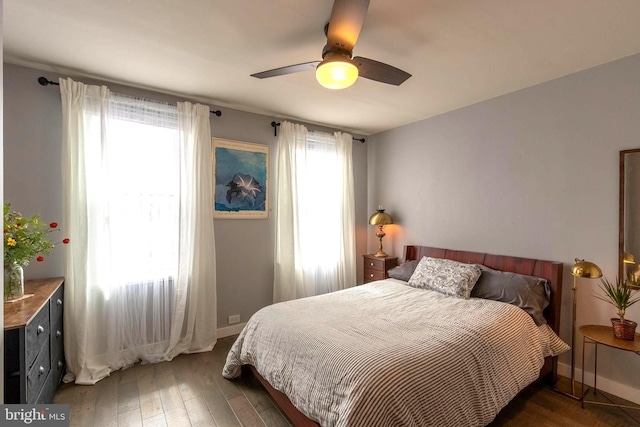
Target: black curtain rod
44,82
275,125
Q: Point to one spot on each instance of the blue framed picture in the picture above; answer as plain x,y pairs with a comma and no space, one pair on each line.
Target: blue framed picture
240,175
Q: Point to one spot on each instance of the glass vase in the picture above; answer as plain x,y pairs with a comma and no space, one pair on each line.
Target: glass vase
13,281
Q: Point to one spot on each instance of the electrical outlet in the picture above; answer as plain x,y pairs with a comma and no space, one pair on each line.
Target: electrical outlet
234,319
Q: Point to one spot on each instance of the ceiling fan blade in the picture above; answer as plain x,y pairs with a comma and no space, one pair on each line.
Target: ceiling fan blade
305,66
380,72
347,18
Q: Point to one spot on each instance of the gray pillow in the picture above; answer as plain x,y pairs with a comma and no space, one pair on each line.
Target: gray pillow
527,292
403,271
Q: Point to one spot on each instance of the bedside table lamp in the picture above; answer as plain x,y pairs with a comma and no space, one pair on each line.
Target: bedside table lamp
380,219
589,270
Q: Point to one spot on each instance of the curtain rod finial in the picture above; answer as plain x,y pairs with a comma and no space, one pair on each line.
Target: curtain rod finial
275,125
44,81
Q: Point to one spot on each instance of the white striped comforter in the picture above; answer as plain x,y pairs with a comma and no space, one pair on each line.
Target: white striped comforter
386,354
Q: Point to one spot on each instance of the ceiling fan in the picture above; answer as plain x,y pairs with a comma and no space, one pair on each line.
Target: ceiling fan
338,70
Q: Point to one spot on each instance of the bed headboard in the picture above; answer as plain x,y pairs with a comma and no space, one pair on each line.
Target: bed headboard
550,270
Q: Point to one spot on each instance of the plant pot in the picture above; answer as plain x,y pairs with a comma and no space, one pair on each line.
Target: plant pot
624,330
13,281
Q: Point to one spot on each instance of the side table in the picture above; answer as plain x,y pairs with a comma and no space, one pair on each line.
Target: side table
375,268
599,334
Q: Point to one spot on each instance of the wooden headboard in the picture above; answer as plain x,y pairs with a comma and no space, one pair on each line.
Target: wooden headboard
550,270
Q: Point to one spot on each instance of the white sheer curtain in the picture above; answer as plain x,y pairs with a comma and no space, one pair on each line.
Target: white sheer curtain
140,274
315,213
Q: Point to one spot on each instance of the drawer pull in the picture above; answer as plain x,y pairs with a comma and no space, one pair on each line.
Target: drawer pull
60,363
371,275
41,370
59,301
58,334
371,264
40,329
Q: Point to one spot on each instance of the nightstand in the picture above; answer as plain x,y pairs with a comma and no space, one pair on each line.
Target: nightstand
599,334
375,268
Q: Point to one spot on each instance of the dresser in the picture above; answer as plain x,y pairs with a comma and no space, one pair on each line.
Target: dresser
33,343
375,268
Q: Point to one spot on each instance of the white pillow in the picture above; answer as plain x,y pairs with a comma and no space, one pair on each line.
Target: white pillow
445,276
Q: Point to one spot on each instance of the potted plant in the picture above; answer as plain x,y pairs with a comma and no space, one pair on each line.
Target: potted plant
24,238
619,294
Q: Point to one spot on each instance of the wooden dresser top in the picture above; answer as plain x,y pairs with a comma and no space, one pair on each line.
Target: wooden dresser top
18,314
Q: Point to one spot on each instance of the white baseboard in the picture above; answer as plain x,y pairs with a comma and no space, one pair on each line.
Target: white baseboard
230,330
621,390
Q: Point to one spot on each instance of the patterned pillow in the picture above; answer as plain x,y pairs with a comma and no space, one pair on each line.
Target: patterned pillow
445,276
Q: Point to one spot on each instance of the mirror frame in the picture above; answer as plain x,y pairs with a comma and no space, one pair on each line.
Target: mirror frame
621,221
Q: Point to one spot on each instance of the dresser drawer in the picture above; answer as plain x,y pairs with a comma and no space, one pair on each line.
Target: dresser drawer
58,368
52,381
55,304
57,339
371,275
38,374
48,390
374,264
37,333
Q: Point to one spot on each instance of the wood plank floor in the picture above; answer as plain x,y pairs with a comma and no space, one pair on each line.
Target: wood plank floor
190,391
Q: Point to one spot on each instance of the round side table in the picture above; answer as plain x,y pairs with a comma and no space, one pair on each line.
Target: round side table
600,334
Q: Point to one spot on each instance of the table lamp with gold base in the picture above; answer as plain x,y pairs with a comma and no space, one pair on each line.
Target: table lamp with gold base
380,219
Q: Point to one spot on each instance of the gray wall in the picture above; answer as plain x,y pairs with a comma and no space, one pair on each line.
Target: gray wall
32,183
533,174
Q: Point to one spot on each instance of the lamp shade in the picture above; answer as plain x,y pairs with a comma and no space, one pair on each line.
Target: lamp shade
587,269
336,72
380,218
628,258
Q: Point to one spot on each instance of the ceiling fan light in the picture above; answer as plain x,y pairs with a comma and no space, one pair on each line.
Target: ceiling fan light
336,73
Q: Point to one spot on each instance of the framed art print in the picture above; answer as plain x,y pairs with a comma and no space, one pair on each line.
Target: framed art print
240,175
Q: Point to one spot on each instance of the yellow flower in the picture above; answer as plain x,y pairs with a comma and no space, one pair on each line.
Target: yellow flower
11,241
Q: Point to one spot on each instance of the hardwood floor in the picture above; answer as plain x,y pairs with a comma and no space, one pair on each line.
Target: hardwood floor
540,406
190,391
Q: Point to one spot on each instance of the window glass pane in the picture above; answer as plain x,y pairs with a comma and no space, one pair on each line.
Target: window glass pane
320,220
141,192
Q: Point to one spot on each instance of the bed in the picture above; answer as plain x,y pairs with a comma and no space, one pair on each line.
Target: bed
392,353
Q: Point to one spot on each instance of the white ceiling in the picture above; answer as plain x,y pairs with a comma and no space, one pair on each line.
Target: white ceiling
459,51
